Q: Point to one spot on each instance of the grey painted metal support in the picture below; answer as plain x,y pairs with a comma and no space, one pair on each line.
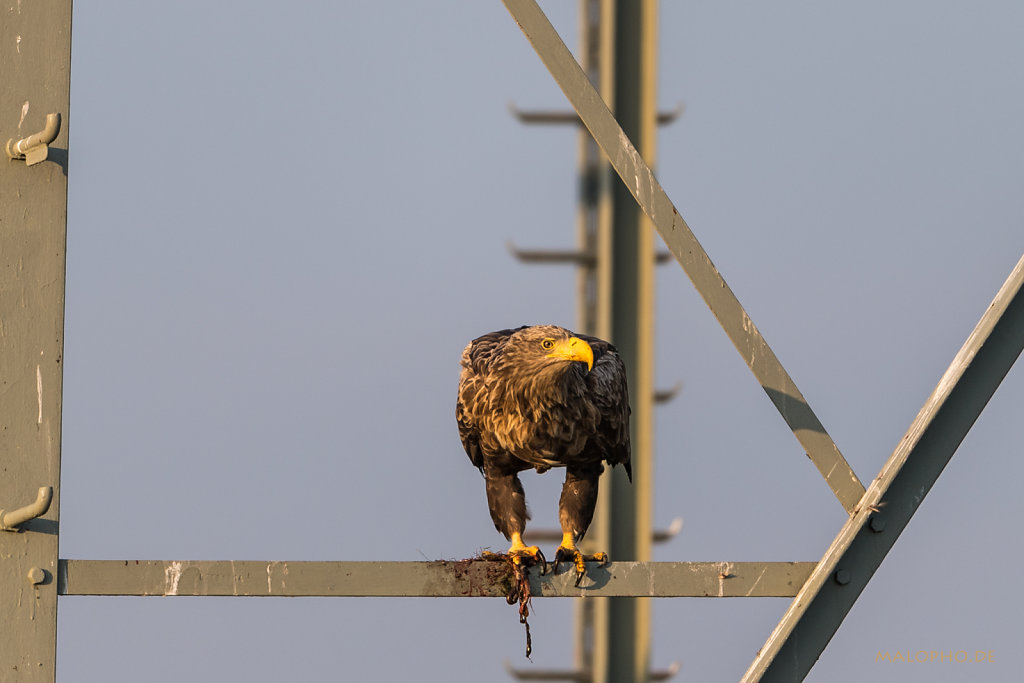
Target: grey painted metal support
466,578
898,490
35,63
640,180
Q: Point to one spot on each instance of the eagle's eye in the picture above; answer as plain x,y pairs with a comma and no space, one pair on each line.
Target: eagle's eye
548,344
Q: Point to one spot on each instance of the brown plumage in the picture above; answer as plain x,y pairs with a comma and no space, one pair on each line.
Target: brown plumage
543,397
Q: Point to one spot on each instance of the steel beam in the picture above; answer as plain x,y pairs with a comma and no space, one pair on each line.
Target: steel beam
594,288
452,579
35,60
894,496
645,188
623,634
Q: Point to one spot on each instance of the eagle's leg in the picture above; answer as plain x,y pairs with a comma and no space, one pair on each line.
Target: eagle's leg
575,512
507,502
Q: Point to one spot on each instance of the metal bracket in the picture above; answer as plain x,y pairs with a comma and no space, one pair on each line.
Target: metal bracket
577,256
554,536
34,148
581,675
560,117
9,521
666,395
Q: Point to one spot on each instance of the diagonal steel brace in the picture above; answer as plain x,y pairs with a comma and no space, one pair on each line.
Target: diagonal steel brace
894,496
640,180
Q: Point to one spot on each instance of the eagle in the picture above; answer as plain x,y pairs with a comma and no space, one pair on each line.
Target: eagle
542,397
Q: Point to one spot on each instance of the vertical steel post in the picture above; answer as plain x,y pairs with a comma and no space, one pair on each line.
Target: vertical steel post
594,281
628,83
35,60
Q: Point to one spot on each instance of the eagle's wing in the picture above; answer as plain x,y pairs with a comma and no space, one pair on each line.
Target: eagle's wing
607,384
474,395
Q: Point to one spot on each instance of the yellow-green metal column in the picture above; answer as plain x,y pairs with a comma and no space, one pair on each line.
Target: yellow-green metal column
35,63
594,281
629,85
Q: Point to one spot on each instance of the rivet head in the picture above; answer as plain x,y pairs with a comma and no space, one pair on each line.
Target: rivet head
36,575
842,576
877,524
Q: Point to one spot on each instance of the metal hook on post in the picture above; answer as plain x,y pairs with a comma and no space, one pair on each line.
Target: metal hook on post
34,148
9,521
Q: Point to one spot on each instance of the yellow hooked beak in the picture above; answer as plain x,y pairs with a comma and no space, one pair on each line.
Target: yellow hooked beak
573,348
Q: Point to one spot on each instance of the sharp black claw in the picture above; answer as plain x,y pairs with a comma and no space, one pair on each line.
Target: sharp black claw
579,578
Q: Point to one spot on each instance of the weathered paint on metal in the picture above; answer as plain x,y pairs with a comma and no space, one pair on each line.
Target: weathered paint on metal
644,187
35,60
895,495
443,578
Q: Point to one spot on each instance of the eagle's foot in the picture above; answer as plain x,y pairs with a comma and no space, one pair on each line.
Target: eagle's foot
579,560
521,556
528,556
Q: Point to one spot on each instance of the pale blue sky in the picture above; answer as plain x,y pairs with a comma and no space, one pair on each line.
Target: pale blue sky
285,222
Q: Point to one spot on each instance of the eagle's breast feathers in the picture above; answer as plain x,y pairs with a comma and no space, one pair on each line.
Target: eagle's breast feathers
527,395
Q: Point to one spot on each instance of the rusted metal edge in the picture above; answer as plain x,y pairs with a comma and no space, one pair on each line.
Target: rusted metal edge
640,180
443,578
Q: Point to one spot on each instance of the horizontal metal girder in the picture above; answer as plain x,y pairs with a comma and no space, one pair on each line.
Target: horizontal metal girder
651,197
443,578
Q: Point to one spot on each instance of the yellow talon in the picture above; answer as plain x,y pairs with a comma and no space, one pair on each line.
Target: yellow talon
525,554
568,552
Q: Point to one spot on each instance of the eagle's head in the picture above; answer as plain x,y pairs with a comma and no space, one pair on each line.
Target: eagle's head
544,349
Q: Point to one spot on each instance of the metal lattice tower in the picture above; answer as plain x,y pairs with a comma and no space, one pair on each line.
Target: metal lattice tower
615,260
33,213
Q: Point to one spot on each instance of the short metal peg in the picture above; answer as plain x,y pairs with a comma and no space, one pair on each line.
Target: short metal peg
842,576
34,148
36,575
9,521
666,395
